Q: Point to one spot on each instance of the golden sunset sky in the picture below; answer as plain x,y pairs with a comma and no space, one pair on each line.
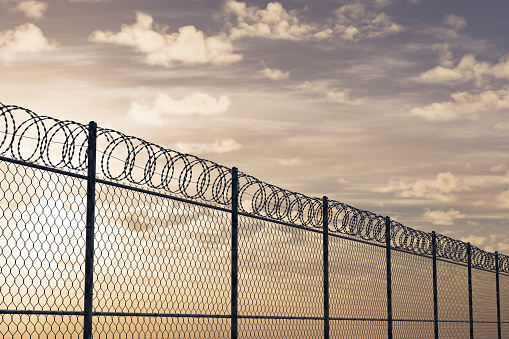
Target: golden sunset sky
394,106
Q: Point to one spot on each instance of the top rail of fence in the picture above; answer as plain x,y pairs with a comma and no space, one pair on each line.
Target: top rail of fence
62,144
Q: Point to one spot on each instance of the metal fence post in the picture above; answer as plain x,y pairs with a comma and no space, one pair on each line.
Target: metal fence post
470,301
497,277
435,282
235,253
389,275
89,240
325,216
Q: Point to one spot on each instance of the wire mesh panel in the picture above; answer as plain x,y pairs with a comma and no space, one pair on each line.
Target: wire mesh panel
504,304
16,326
280,270
41,248
485,330
357,329
505,330
484,295
412,288
358,280
459,330
160,327
41,240
452,285
413,329
280,328
158,255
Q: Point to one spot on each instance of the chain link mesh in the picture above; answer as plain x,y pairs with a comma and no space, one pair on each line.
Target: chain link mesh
163,250
280,270
280,328
357,291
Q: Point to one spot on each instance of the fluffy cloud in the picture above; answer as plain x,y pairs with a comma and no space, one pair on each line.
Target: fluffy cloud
351,22
188,46
498,168
503,199
465,105
445,56
354,22
290,162
468,68
273,22
328,93
197,103
502,126
440,217
274,74
32,9
26,38
219,146
475,240
442,188
454,21
342,97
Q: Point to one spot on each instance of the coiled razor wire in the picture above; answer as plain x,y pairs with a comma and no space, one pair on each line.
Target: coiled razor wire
63,144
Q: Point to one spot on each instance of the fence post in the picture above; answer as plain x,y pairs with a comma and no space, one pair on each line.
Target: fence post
389,275
470,301
89,240
497,277
325,216
435,282
235,253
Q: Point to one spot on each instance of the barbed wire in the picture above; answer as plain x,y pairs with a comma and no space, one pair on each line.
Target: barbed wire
199,179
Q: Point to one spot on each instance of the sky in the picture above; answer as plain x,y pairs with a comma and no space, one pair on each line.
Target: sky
394,106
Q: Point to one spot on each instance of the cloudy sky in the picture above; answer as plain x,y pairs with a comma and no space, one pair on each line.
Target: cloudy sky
394,106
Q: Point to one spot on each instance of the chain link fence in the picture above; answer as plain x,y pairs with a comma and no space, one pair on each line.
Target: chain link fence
108,236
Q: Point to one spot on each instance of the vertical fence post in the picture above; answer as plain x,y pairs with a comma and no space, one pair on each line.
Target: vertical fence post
435,282
497,277
389,275
235,253
325,216
89,240
470,300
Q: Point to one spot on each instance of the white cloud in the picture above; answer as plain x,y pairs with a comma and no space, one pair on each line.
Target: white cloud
440,217
354,22
304,86
188,47
468,68
475,240
343,181
274,74
454,21
32,9
503,199
502,126
290,162
197,103
342,97
26,38
445,56
328,93
351,22
465,106
442,188
273,22
219,146
382,3
498,168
